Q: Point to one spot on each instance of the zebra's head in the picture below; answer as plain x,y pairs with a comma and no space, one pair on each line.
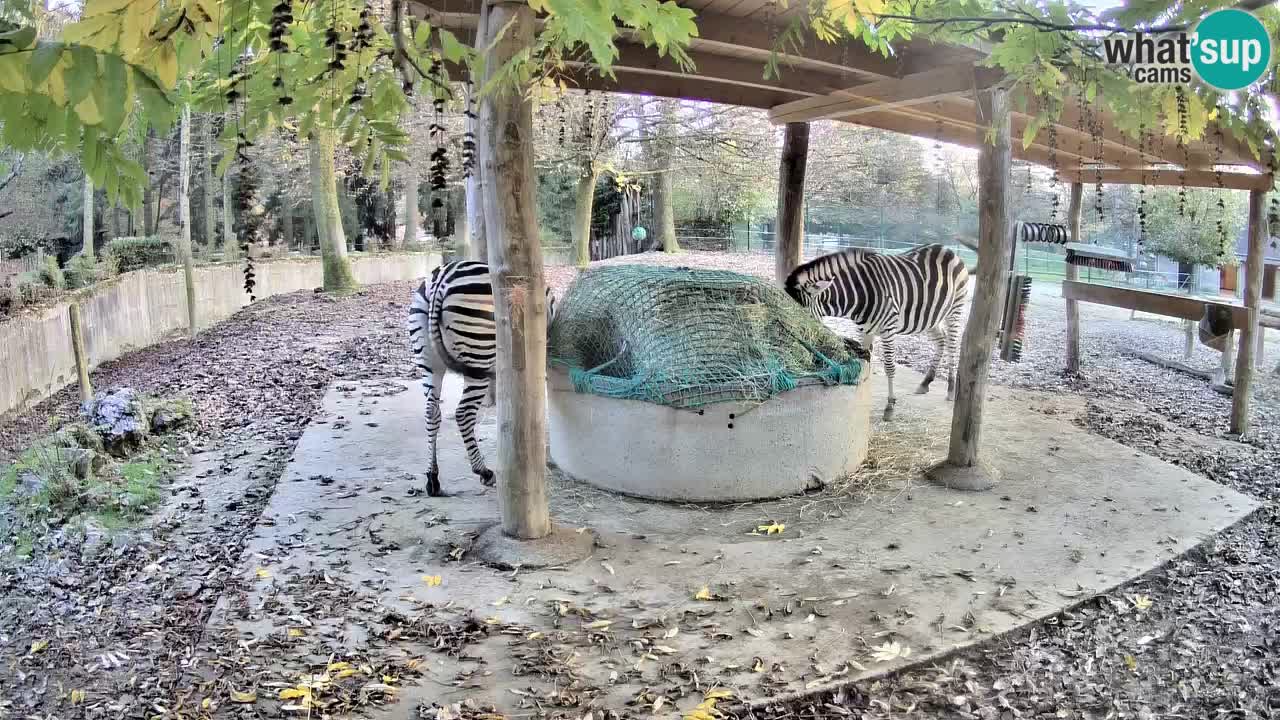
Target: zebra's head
806,288
551,307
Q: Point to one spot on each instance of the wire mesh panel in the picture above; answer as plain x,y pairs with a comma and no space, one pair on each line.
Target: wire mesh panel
688,338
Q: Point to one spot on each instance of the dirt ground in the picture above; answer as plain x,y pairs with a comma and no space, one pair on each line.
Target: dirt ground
99,625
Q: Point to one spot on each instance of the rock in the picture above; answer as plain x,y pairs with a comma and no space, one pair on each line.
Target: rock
119,419
82,461
170,416
30,483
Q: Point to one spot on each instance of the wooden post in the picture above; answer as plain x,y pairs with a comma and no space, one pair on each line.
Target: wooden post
77,347
961,470
1252,301
515,265
1189,341
789,250
1073,308
1226,360
478,242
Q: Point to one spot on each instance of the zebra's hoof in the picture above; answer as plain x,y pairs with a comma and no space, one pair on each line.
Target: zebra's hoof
922,389
486,477
888,413
433,485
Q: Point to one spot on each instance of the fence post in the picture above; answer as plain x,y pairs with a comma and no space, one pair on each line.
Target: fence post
77,347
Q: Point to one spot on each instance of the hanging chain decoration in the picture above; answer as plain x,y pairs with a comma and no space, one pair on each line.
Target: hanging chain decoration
1055,179
440,155
1217,179
1142,186
361,39
1186,151
588,118
469,133
560,107
281,18
1273,216
1095,129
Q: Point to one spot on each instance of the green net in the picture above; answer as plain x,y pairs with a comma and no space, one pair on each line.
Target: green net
688,338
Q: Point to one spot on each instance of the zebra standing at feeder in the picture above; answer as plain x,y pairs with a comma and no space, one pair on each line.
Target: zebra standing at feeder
922,290
451,328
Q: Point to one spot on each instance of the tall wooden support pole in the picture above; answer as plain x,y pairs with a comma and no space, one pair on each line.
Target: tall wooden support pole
184,215
961,469
77,347
1252,301
87,217
1073,308
478,241
789,249
515,265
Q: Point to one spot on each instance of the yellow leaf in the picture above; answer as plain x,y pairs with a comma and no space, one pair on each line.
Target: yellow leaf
295,632
166,65
77,697
1142,602
757,665
719,694
538,5
263,573
772,529
388,679
293,693
533,635
703,594
38,646
206,703
870,8
243,697
492,620
1130,662
431,580
598,624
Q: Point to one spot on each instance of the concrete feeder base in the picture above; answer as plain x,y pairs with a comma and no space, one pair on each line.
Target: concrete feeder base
728,452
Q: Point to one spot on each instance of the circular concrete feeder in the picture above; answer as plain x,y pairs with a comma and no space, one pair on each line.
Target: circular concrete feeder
729,451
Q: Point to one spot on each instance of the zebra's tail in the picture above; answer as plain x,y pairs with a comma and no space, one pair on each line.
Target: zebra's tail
419,325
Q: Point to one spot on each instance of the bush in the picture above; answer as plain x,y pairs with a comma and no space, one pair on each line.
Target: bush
135,253
82,271
32,288
51,275
10,299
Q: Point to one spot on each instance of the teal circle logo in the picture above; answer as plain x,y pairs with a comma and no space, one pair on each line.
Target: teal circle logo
1230,49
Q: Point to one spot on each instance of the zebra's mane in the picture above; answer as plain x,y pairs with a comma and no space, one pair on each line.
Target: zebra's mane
824,267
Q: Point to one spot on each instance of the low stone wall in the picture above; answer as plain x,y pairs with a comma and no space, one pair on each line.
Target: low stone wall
144,307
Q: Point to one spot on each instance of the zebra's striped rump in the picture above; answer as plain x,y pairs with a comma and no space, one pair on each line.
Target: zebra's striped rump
451,328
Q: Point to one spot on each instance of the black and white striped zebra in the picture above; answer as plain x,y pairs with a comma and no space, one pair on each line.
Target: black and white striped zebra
922,290
451,328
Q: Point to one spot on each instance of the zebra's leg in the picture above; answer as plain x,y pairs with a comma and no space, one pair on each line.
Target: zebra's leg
473,395
432,391
887,344
952,352
939,338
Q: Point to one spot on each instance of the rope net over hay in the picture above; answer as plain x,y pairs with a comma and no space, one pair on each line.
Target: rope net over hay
687,338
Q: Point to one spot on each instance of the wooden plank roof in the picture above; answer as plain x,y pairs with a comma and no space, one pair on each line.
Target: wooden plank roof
924,89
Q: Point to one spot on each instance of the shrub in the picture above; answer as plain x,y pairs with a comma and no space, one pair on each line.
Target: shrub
51,275
135,253
32,287
10,299
83,272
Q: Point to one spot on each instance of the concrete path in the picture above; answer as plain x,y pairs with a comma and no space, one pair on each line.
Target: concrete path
866,577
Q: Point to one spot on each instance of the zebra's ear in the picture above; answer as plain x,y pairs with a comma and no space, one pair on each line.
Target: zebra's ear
820,286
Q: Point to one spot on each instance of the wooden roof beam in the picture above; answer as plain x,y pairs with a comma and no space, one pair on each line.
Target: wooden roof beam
884,94
1148,176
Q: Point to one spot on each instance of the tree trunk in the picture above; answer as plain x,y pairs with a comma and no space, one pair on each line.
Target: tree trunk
1252,300
993,266
324,203
412,220
230,248
116,230
286,222
664,215
86,218
148,195
789,241
1073,308
583,200
475,184
184,211
515,260
206,172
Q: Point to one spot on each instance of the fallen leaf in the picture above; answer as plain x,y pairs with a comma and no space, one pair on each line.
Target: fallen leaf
703,594
1142,602
500,601
295,632
598,624
771,529
533,636
608,567
263,573
431,580
672,632
38,646
243,697
77,697
757,665
1130,662
890,651
295,693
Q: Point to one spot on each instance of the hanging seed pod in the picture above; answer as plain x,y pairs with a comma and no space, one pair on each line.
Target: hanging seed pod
1142,187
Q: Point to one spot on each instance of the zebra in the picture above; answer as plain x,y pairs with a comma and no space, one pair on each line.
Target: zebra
921,290
451,328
